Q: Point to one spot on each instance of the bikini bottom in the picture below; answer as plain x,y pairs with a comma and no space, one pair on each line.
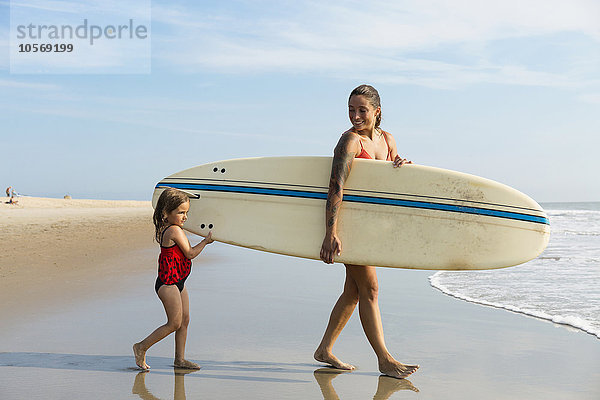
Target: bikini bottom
179,284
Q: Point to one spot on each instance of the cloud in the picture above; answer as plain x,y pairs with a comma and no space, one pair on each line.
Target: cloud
69,7
431,43
87,9
592,98
9,83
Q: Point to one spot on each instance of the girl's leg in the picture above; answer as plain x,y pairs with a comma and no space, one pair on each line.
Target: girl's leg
365,278
171,299
181,334
341,313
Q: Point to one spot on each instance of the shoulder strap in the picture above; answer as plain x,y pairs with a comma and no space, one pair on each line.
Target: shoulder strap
163,234
384,133
362,149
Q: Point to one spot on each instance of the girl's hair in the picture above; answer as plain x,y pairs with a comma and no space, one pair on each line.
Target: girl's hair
372,95
168,201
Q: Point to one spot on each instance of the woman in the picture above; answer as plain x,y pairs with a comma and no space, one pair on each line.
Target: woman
364,140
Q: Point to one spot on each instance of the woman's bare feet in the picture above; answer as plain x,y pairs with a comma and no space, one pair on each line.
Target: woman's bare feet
396,369
186,364
328,358
140,357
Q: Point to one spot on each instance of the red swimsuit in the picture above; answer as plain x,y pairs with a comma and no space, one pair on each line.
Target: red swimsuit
363,153
173,267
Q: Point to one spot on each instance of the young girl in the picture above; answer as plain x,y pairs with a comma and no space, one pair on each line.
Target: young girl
174,266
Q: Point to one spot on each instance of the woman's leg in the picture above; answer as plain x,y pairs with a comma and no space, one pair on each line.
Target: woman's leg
181,334
170,297
341,313
365,278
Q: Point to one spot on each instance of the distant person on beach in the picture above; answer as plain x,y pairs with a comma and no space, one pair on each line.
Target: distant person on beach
364,140
10,193
174,266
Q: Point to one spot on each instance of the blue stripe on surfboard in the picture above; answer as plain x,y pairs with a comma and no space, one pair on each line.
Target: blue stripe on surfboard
362,199
372,193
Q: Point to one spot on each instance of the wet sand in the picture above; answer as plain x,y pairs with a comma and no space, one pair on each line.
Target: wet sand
256,319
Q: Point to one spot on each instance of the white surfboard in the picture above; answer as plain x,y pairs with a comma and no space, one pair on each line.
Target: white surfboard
413,217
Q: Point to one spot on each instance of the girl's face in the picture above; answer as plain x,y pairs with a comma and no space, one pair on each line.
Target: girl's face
179,215
362,114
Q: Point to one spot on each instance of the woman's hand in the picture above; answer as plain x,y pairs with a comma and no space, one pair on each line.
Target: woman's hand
331,247
399,161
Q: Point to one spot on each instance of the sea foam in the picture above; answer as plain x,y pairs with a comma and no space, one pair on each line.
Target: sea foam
561,286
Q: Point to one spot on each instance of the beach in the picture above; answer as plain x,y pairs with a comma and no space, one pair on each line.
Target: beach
77,290
52,246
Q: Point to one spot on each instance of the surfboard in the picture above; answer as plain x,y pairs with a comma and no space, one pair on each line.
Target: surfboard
414,217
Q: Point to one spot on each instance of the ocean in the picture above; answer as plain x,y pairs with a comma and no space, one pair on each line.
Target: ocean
562,285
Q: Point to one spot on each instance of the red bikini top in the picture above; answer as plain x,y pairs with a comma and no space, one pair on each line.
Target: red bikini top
363,153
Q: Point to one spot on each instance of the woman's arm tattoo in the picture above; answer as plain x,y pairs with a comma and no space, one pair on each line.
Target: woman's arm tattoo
340,169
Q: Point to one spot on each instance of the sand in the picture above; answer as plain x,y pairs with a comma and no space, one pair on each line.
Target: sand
68,323
50,246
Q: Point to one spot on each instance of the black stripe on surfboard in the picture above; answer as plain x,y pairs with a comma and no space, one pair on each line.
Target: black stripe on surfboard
362,199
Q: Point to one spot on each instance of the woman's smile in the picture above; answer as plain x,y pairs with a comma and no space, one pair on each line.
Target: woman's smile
362,114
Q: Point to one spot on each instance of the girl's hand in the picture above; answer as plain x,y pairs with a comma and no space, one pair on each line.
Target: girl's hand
208,239
399,161
331,247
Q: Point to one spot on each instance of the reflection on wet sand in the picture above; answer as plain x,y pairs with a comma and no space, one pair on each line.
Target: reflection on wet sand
386,386
139,385
113,377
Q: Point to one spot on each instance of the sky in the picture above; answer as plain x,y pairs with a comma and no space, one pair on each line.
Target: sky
505,90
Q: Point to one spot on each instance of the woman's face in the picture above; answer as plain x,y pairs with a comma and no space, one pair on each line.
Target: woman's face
362,114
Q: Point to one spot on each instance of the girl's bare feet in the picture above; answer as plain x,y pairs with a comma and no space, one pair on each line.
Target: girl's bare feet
396,369
140,357
328,358
186,364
